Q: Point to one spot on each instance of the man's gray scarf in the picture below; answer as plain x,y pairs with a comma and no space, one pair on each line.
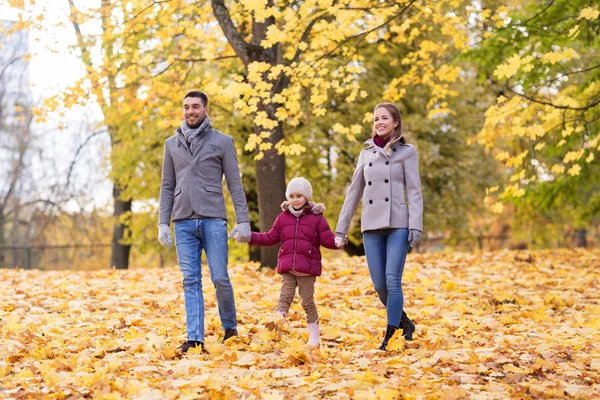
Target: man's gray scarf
193,135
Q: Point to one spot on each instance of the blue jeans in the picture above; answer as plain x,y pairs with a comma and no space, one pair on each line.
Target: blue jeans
386,251
191,236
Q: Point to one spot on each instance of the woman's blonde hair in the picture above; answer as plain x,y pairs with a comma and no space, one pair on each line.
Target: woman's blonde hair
398,132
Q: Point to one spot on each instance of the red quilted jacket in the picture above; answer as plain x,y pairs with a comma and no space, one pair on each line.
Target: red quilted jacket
300,239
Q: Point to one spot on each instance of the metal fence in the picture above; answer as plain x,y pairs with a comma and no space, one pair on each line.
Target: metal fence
54,256
582,239
97,255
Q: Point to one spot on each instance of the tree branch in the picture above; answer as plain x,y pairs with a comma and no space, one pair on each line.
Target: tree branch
85,142
235,39
362,34
548,103
154,3
205,59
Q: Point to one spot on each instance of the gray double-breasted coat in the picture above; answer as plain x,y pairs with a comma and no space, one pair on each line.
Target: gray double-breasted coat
387,180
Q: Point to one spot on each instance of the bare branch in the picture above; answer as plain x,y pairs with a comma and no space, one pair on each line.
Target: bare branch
85,142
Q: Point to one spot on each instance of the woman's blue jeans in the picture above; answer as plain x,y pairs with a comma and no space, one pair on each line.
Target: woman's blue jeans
386,251
191,236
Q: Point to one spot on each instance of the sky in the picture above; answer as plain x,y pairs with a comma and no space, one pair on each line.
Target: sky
54,67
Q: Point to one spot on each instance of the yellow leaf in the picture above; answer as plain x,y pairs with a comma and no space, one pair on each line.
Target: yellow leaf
509,68
589,13
17,3
14,323
574,170
590,158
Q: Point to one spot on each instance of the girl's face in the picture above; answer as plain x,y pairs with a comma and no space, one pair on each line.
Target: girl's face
383,122
297,200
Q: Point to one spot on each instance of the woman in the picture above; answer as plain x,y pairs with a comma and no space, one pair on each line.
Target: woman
386,168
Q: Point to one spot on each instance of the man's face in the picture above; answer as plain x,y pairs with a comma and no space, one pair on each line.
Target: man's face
194,111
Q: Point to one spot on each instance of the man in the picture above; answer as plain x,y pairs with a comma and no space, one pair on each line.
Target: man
196,158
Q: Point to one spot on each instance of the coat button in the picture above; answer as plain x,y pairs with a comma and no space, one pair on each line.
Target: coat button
394,149
370,201
387,199
375,152
387,180
387,163
370,164
369,183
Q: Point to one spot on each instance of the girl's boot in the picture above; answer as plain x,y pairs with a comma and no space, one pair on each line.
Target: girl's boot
314,336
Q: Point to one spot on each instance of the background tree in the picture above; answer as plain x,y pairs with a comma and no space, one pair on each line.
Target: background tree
18,144
544,127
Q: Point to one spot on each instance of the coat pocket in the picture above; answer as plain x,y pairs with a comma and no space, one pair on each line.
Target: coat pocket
399,193
214,189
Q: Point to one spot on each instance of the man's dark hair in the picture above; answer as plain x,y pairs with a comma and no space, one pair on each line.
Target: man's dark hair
201,95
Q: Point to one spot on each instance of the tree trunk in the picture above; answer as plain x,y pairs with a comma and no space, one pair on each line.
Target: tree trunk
254,251
2,240
120,252
270,185
581,237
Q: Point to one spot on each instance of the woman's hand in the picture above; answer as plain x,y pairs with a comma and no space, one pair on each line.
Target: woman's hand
414,236
340,241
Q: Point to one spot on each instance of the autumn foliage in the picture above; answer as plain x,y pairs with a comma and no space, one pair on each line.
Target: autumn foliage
489,325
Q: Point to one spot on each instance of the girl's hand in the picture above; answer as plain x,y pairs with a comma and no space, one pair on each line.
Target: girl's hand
340,242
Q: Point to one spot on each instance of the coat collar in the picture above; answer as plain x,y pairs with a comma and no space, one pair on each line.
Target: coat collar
181,138
310,208
387,150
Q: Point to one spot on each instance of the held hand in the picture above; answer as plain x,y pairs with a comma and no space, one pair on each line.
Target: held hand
340,241
414,236
164,235
241,232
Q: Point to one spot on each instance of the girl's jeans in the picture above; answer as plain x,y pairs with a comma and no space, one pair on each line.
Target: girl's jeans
191,236
386,251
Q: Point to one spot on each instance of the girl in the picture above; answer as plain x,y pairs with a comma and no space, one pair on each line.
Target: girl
302,229
387,168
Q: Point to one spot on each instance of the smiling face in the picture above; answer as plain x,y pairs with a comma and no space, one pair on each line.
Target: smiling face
297,201
194,111
383,122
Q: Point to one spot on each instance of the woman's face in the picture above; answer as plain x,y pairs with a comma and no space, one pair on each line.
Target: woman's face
383,122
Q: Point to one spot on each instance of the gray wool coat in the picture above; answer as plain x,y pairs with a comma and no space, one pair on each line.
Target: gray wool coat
192,184
387,180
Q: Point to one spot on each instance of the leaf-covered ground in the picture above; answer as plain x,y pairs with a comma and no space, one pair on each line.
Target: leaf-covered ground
490,325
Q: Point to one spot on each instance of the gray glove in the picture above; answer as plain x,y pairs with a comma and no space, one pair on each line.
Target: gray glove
164,235
241,232
340,240
414,236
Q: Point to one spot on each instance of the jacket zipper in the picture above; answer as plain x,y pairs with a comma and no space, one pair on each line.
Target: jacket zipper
295,238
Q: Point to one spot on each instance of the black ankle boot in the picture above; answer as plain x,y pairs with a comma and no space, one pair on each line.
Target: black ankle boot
229,333
191,344
407,326
389,332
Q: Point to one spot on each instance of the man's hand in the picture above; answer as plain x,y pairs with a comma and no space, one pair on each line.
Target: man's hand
164,235
241,232
414,236
340,241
